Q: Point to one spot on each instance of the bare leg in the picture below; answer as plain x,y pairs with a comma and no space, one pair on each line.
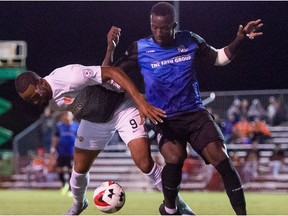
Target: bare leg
141,154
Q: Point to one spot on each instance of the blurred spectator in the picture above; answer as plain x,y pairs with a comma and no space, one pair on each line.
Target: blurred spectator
51,175
41,168
272,109
256,110
244,107
282,112
47,128
277,160
187,168
235,109
38,166
227,128
242,131
237,161
191,163
63,142
261,131
250,169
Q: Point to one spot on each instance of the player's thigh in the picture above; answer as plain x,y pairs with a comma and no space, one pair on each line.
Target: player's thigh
135,137
83,159
141,154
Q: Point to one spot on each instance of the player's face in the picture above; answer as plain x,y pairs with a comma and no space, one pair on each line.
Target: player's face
38,94
162,28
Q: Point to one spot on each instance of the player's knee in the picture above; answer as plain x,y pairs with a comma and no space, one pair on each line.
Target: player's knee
215,152
175,159
174,156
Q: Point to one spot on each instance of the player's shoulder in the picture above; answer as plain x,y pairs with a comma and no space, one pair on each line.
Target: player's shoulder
146,40
189,34
60,70
135,45
69,67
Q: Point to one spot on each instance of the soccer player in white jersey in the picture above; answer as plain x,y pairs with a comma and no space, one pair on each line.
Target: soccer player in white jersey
104,108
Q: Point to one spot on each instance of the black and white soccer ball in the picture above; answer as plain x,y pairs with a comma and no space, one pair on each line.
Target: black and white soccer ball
109,197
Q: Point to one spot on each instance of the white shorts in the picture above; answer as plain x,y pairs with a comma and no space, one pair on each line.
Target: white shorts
126,120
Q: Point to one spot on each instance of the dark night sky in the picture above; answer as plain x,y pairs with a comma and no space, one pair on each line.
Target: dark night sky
60,33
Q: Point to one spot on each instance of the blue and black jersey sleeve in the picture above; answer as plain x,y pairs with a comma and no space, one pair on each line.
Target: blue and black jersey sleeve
129,63
203,47
129,60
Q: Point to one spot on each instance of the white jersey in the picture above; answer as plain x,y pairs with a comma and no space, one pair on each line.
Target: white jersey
80,89
102,107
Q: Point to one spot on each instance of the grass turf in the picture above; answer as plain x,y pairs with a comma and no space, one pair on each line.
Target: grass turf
50,202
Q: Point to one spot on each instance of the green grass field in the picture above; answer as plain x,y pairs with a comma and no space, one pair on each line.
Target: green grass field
50,202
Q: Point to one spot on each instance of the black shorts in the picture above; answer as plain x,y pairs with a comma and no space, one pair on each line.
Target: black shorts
197,128
64,161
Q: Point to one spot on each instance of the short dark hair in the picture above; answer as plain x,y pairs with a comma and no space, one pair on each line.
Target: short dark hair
164,9
25,79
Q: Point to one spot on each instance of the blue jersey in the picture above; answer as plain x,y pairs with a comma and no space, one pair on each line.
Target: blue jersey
169,73
67,135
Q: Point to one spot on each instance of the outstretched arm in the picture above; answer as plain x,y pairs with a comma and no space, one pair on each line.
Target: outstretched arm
112,41
251,30
223,56
145,109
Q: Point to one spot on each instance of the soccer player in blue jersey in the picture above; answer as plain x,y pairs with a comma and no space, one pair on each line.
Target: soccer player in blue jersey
63,143
168,62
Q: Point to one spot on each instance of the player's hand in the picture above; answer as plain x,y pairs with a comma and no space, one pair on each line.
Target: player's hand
113,37
251,30
152,113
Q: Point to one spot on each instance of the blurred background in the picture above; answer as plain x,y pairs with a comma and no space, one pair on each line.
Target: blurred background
65,32
58,33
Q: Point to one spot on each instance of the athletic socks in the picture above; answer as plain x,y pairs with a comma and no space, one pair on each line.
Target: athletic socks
70,173
79,183
171,179
182,207
61,178
170,211
233,186
155,176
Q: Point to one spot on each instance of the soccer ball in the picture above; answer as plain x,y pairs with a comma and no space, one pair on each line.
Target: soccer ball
109,197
